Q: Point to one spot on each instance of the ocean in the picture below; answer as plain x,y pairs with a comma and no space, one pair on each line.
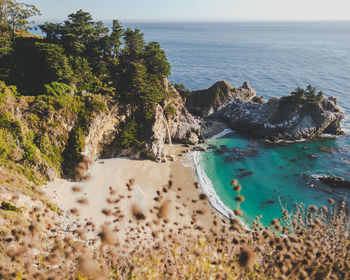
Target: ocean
275,58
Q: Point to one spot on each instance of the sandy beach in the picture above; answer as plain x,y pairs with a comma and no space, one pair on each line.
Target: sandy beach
108,184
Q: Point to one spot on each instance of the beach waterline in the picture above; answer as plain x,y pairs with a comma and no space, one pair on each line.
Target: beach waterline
273,176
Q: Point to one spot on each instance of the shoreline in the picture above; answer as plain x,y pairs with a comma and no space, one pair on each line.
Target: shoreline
206,184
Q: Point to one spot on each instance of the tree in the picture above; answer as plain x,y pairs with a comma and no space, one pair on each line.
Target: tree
114,41
134,44
17,16
299,93
56,66
53,31
156,61
309,95
14,18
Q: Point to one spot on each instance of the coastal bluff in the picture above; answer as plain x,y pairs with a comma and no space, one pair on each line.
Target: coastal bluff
278,119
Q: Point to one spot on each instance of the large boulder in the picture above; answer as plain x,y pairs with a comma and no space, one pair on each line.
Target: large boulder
335,182
284,119
208,101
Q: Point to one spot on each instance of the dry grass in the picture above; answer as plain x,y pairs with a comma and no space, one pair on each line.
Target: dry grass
311,243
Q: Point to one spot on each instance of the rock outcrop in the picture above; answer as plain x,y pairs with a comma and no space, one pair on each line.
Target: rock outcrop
335,182
171,123
208,101
280,119
101,132
172,120
286,118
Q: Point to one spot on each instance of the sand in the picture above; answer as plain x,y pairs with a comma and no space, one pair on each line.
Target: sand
149,177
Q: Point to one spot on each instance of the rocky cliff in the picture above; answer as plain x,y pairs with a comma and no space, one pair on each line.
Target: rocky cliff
277,119
46,136
208,101
171,123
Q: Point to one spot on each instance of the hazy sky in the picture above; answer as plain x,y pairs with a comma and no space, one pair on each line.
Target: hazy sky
195,10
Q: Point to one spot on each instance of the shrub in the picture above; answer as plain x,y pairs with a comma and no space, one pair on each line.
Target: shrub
128,135
184,92
9,207
308,95
58,89
170,110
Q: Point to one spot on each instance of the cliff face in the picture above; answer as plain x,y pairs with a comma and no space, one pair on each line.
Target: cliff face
46,136
208,101
43,137
172,120
277,119
171,123
101,132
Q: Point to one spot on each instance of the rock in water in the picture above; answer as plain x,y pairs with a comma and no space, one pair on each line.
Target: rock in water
335,182
280,119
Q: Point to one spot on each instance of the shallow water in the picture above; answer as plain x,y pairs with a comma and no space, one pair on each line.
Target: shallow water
281,174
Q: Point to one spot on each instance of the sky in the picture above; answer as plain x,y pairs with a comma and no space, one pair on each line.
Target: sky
196,10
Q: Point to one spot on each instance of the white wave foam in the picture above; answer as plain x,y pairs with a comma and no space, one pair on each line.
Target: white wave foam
221,134
318,176
285,141
207,188
332,136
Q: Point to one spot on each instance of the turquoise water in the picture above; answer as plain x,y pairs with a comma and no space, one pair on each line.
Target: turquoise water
281,174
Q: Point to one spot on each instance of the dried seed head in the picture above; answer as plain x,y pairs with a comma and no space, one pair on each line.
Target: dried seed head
137,213
163,209
76,189
107,236
330,200
74,211
234,182
239,198
82,201
313,208
246,258
238,213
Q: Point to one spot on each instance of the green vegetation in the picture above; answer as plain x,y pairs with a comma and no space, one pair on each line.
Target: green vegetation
37,141
14,20
9,207
305,99
184,92
69,71
83,56
170,110
308,95
68,78
128,136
